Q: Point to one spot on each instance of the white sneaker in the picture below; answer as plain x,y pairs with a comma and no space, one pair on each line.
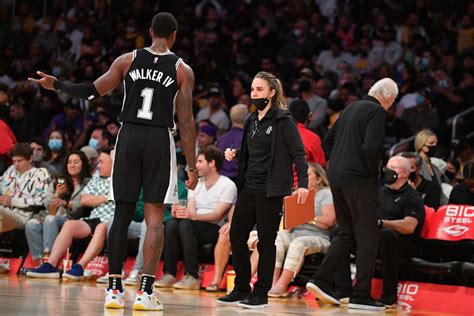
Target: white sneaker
105,279
114,299
133,278
166,280
147,302
188,283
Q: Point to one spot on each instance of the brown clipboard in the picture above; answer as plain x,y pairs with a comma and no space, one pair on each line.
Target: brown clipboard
296,214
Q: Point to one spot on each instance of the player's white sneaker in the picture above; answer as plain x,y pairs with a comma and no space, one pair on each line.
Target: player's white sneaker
114,299
147,302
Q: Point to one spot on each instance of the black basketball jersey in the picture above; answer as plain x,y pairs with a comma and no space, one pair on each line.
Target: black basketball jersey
150,89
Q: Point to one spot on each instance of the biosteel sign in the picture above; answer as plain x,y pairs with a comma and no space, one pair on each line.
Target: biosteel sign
452,223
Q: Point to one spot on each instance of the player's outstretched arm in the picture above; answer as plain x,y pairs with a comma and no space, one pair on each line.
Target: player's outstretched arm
187,126
105,83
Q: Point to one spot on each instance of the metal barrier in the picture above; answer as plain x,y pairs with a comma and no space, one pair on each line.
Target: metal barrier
400,143
456,118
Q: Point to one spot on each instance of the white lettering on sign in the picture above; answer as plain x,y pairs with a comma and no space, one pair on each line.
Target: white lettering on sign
460,211
407,291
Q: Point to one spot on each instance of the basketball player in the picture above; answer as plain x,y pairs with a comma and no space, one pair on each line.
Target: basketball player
155,80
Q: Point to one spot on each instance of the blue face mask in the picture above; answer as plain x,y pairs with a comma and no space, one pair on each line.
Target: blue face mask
55,144
94,143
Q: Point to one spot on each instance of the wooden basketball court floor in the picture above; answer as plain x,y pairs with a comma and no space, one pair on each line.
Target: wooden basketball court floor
24,296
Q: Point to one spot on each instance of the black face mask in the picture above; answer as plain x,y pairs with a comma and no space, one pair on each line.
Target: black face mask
412,176
390,176
450,175
305,86
260,103
431,150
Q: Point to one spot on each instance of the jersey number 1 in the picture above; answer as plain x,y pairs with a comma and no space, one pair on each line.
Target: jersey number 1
145,112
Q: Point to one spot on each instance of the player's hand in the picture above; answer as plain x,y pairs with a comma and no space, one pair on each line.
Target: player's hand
230,154
302,194
46,81
192,180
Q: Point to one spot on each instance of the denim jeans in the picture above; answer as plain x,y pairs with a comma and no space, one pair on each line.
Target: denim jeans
41,236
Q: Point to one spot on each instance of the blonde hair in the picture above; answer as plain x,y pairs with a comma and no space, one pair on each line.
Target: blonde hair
422,138
278,100
321,173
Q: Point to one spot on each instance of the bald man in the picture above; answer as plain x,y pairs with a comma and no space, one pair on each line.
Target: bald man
401,218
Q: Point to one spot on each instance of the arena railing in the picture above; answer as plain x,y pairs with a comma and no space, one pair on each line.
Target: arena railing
456,119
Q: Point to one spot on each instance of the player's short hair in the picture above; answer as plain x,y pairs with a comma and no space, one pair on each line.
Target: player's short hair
164,24
211,153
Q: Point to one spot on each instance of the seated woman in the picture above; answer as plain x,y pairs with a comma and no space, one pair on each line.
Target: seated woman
41,235
95,195
292,246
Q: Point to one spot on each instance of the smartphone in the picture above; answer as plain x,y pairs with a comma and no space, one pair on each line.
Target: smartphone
61,180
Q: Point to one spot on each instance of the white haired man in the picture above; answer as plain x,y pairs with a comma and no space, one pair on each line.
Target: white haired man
354,146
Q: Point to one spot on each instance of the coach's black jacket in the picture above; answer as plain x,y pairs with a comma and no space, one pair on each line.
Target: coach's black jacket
354,145
286,149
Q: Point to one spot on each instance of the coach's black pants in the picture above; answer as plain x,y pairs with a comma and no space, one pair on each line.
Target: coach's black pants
254,207
356,214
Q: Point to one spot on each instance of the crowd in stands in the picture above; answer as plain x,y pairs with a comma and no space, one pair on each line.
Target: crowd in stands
56,153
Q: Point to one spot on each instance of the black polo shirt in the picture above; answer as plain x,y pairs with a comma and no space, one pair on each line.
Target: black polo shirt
259,143
397,204
461,195
429,192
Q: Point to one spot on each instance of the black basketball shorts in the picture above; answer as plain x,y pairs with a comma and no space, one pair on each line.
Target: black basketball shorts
145,156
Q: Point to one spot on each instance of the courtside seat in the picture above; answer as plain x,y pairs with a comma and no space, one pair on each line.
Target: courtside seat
13,244
467,269
309,268
206,253
450,268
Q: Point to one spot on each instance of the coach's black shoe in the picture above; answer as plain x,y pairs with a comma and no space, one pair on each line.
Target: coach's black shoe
323,292
390,301
233,298
253,301
343,297
366,304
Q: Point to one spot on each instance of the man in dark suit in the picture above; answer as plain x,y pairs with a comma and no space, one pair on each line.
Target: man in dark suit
354,146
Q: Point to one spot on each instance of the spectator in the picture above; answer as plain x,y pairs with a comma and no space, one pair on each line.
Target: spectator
100,138
25,125
453,167
199,222
95,194
426,144
113,128
38,145
92,156
233,139
317,105
429,192
400,221
463,193
57,150
306,239
214,111
387,50
329,59
21,187
70,120
40,235
207,136
422,116
299,109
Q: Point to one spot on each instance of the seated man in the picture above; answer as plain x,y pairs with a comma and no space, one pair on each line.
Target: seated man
401,218
95,195
199,222
21,186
